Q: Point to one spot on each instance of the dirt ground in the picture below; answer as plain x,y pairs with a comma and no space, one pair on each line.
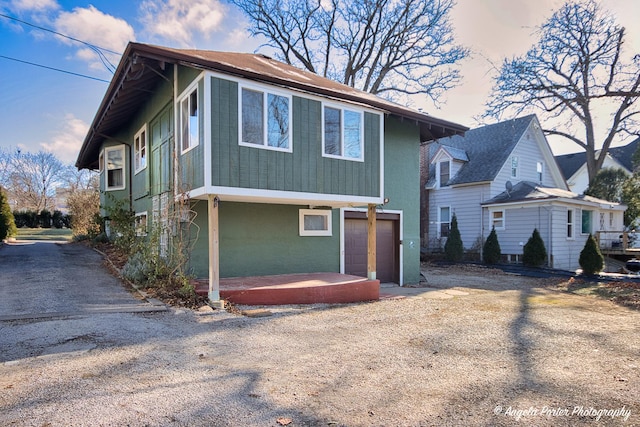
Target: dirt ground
472,346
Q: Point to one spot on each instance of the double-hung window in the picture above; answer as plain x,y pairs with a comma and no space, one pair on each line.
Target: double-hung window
265,119
586,221
140,149
189,124
497,220
445,172
540,171
114,158
445,221
342,133
570,224
514,167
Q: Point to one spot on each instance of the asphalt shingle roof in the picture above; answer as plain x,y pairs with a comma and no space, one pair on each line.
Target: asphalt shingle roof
570,163
529,191
487,148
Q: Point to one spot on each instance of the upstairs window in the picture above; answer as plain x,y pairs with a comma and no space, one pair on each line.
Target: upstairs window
540,171
189,125
266,119
114,157
343,134
445,171
140,149
514,166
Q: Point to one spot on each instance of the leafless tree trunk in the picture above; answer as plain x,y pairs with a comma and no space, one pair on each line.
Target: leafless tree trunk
577,71
385,47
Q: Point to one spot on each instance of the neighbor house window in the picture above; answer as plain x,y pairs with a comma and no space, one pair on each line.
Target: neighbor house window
602,221
343,134
445,221
266,119
610,220
586,221
114,157
140,149
189,125
569,223
101,162
514,166
540,170
315,222
141,224
497,220
445,171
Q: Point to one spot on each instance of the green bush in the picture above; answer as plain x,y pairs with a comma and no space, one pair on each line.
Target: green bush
453,249
534,254
591,259
491,252
7,222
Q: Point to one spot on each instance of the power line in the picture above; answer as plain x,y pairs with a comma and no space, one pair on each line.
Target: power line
54,69
97,49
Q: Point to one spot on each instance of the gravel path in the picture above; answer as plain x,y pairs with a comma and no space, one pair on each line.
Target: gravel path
476,347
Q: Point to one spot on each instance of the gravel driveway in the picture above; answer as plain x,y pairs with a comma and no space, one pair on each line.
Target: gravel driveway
477,347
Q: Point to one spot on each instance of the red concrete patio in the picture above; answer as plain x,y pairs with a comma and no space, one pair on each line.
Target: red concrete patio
305,288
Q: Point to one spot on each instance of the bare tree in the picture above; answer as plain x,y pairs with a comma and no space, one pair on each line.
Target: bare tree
575,71
33,179
385,47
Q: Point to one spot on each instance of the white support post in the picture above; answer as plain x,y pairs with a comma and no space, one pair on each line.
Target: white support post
214,252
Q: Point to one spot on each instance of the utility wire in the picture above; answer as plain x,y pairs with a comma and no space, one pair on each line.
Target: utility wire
97,49
54,69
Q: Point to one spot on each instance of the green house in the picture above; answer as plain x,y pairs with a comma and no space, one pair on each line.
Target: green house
265,168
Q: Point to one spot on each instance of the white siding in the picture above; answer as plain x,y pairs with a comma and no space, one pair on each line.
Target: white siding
465,204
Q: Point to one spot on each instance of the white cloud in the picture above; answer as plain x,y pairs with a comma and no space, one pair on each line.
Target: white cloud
182,21
33,5
95,27
65,145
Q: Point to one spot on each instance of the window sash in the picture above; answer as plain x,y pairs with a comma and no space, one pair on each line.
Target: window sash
265,119
445,171
586,221
343,133
497,220
514,167
189,121
140,150
445,221
570,223
114,158
315,222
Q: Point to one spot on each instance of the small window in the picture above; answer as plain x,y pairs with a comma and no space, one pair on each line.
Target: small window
342,133
540,171
445,168
497,220
610,220
602,221
266,119
514,167
569,223
115,168
315,222
445,221
141,224
140,149
586,221
189,124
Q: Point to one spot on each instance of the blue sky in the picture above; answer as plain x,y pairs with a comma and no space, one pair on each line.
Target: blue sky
45,109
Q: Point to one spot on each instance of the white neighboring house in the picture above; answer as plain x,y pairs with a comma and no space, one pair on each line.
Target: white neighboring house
505,176
574,167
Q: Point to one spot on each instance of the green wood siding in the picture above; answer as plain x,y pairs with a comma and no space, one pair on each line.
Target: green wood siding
262,239
303,170
402,188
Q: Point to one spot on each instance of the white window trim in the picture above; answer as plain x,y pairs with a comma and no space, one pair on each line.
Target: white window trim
142,130
504,219
327,213
572,223
511,174
440,222
186,94
342,108
581,222
265,90
141,233
106,168
541,177
439,170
